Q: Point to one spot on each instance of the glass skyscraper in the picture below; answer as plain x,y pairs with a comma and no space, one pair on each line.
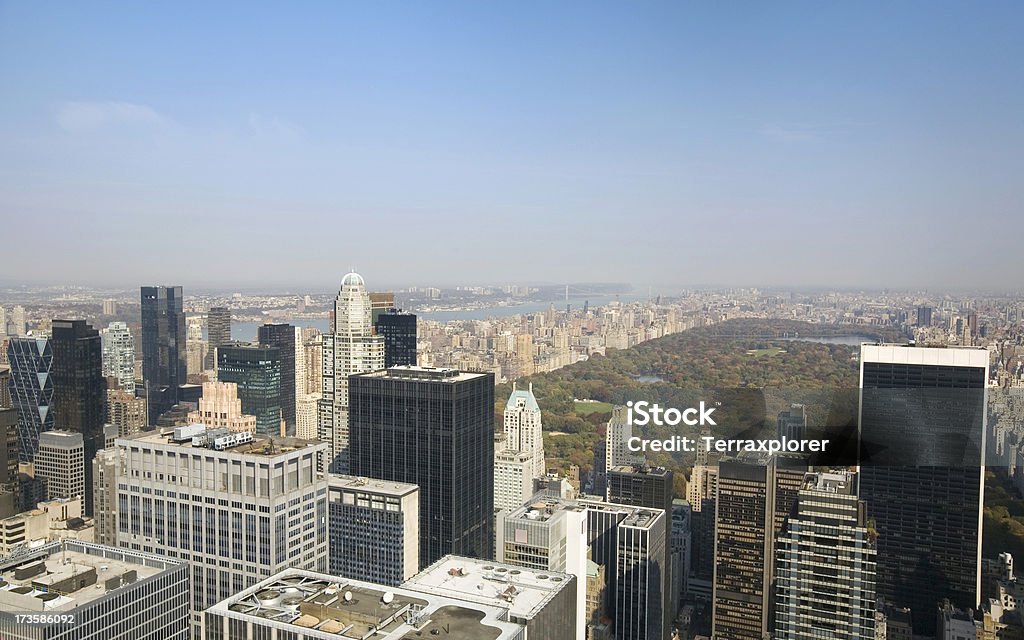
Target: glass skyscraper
163,347
433,428
31,391
257,372
922,442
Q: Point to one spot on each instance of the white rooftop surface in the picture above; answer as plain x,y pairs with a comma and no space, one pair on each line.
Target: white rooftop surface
523,591
936,356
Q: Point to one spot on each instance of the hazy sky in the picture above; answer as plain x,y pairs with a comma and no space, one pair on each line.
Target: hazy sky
247,143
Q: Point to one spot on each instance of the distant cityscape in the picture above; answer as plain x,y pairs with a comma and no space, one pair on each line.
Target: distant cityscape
339,466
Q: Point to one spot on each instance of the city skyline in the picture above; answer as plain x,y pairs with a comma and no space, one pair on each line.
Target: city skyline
698,144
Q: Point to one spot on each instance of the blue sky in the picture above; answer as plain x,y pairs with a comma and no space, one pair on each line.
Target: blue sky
665,144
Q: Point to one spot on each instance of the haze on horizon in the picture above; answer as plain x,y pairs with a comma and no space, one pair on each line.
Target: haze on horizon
238,145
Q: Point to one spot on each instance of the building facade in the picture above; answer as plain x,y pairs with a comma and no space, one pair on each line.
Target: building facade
119,355
351,348
433,428
287,340
220,407
256,371
922,444
31,386
519,458
825,564
238,509
163,347
374,529
60,464
399,332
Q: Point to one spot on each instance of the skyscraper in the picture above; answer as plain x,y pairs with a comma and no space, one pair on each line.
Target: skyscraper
126,412
163,347
286,339
9,495
374,529
433,428
755,494
520,457
265,511
257,372
792,424
79,389
619,431
825,564
106,466
922,442
218,332
220,407
399,332
60,464
31,391
119,355
17,321
352,348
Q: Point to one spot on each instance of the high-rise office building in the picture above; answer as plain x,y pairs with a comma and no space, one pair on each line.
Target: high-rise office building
31,391
17,321
119,355
374,528
196,350
924,316
380,302
548,534
651,487
399,332
755,495
163,347
433,428
680,546
519,458
619,431
5,386
9,485
238,508
106,466
110,594
220,407
792,424
287,340
825,564
922,446
257,373
3,321
60,464
218,332
79,389
126,412
351,348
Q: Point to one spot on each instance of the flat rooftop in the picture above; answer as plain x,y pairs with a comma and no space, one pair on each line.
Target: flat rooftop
370,485
261,445
432,374
523,591
640,469
63,575
329,607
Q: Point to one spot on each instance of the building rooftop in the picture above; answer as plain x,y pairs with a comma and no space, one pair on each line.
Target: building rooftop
62,575
433,374
952,356
330,607
524,592
373,485
260,445
641,469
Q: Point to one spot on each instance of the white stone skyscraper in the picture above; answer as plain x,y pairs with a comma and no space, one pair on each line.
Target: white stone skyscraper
119,355
351,348
619,432
519,457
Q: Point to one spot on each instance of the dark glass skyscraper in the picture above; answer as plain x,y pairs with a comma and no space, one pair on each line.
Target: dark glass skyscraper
433,428
79,389
218,332
283,338
31,391
399,331
257,372
922,442
163,347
